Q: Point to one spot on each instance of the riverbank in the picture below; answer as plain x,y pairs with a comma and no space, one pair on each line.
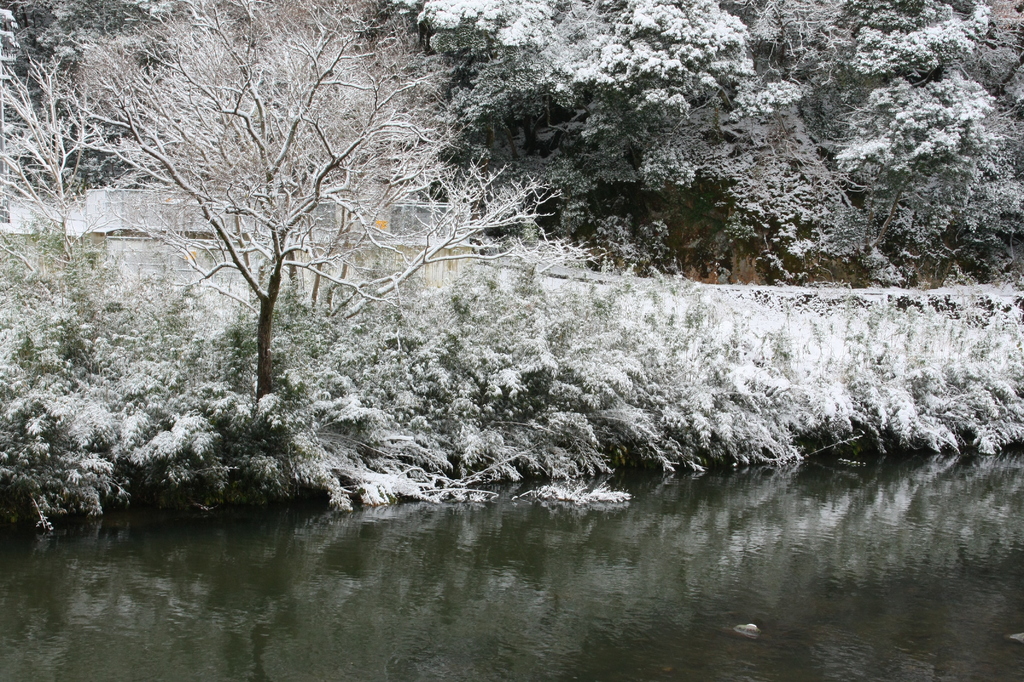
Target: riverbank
116,393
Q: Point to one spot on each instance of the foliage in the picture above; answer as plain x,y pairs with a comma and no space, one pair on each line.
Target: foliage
868,140
111,392
116,393
588,95
858,140
60,29
864,140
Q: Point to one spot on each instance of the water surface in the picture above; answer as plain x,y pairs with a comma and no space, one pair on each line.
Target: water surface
909,570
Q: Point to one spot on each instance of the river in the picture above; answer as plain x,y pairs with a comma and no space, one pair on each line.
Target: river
909,569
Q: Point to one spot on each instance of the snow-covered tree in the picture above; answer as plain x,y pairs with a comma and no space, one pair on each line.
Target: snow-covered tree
47,137
923,124
261,116
60,29
591,95
878,115
780,129
909,139
753,121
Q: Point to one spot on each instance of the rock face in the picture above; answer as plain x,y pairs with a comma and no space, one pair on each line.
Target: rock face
749,630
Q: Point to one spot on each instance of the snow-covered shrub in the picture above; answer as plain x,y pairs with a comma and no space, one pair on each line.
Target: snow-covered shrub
57,433
508,375
114,392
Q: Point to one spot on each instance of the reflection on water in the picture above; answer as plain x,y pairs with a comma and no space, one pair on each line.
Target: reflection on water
901,571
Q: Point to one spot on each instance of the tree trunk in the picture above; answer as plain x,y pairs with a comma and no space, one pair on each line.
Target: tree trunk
66,237
888,219
264,331
315,294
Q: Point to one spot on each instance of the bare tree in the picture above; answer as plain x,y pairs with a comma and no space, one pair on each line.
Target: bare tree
264,115
41,145
47,134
